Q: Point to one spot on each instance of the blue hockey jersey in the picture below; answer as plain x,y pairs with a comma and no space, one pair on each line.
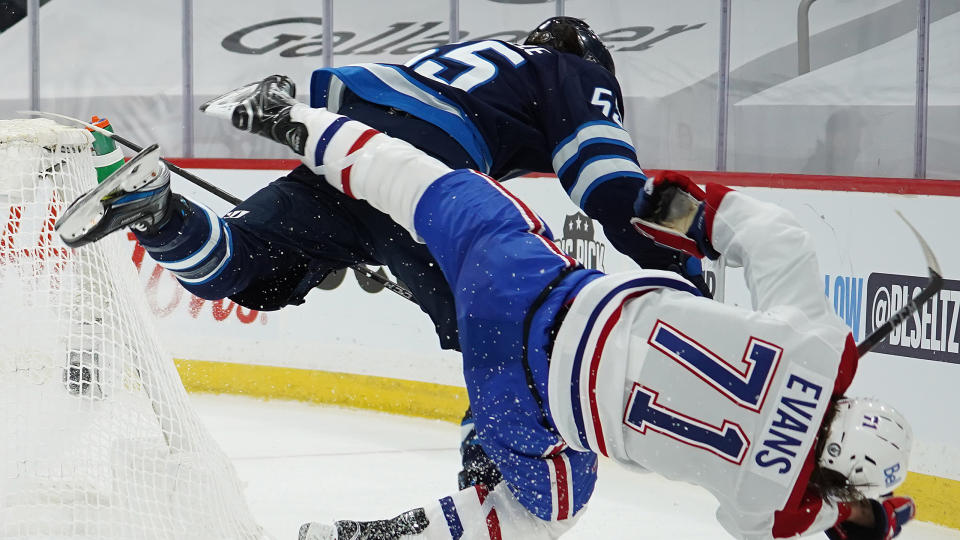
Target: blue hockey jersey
515,108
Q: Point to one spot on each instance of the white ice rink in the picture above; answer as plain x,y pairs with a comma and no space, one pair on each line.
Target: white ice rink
305,462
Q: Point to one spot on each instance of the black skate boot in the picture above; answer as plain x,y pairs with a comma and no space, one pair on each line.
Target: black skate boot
411,522
136,195
263,108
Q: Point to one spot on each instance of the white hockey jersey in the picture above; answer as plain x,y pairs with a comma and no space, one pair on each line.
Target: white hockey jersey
727,398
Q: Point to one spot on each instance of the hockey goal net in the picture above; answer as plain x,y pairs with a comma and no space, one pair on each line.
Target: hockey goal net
97,436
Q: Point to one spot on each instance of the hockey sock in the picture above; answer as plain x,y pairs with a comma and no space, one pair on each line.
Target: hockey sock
194,244
365,164
481,513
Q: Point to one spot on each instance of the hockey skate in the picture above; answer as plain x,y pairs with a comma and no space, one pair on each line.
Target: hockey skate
263,108
411,522
137,195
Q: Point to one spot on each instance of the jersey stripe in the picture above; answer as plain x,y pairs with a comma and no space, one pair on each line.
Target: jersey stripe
556,448
589,133
189,277
389,85
561,482
493,520
599,170
595,368
482,492
570,261
452,516
537,226
592,338
493,525
334,94
600,140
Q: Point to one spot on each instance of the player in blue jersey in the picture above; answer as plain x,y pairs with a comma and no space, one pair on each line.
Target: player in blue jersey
552,104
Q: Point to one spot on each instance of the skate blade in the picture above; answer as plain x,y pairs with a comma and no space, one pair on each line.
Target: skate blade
88,210
222,106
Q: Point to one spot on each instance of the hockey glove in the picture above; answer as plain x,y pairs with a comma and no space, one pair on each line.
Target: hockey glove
671,212
889,517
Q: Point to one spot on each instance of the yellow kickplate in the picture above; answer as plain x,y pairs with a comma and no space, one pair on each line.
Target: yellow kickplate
411,398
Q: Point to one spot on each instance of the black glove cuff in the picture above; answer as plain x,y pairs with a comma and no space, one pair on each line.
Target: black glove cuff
852,531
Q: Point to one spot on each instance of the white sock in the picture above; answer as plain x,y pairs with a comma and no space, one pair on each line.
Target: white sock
389,173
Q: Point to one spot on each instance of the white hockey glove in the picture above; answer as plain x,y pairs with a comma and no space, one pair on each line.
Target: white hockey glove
671,212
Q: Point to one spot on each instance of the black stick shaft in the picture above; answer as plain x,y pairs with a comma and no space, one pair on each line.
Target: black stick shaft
230,198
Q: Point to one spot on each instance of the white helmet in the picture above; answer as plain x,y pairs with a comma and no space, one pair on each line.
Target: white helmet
868,443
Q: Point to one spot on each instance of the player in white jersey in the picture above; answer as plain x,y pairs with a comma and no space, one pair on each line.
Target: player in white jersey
563,364
746,403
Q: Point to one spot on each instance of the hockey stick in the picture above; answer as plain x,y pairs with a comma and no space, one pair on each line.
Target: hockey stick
933,286
207,186
136,148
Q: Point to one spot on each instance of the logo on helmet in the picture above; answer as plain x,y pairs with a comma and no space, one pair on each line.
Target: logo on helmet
890,474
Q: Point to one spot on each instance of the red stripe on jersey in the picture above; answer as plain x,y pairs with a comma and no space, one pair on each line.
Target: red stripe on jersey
493,525
357,144
482,492
345,182
849,361
595,367
562,494
537,226
556,250
554,450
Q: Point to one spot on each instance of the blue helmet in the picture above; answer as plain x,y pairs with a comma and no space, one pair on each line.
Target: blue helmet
572,35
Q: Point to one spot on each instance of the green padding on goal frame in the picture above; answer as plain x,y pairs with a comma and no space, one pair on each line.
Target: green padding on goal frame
938,499
411,398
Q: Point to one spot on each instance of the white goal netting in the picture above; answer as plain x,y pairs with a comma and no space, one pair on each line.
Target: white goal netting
97,436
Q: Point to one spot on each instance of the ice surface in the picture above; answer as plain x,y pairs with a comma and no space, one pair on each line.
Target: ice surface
315,463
